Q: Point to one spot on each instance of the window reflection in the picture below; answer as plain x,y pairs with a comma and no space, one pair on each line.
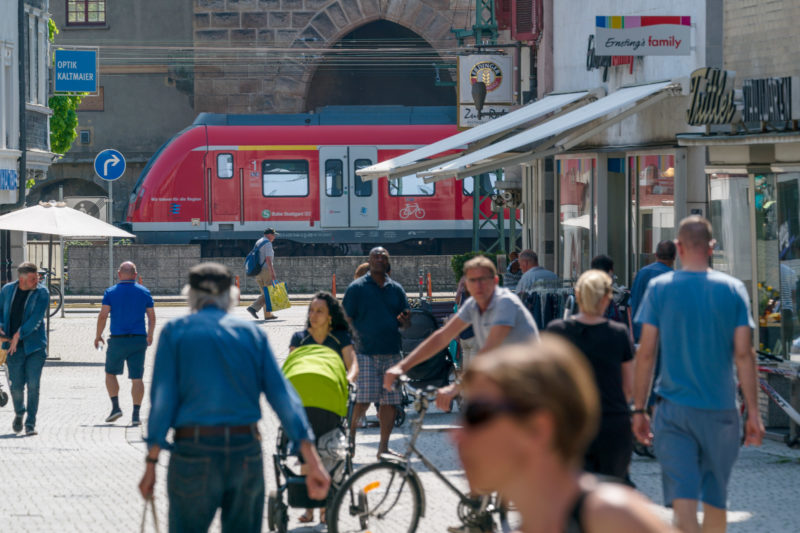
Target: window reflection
576,178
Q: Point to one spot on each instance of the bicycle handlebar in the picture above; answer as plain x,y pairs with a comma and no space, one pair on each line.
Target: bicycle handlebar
767,356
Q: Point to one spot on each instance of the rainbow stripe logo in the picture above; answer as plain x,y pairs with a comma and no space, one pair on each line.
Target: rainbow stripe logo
620,22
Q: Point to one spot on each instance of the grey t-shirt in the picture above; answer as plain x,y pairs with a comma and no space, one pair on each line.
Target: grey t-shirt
532,276
505,309
265,251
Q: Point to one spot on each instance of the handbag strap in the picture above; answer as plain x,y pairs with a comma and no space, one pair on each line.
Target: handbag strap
152,504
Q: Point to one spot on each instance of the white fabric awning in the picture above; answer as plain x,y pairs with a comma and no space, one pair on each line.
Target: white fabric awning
415,160
58,219
556,135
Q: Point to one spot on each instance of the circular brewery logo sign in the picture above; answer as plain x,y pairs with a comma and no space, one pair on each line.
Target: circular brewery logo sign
488,72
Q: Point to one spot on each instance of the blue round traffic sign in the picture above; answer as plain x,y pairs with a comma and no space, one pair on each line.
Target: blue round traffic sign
109,164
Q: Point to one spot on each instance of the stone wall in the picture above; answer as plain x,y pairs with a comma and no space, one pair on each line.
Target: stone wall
164,268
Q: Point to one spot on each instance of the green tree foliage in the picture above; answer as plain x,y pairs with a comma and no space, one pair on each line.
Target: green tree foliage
457,262
64,120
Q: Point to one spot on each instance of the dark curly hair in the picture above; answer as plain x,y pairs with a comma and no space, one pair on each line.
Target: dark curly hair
338,318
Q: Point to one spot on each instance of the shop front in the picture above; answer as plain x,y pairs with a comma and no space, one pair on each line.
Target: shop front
621,204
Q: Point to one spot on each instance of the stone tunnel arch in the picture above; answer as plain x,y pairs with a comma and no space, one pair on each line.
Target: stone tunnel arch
398,78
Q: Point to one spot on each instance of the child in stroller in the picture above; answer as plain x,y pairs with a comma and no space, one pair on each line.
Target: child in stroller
320,378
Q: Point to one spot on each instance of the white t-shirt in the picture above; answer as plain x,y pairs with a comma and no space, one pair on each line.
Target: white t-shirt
505,309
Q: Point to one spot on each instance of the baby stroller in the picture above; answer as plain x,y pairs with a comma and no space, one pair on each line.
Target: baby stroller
319,376
435,371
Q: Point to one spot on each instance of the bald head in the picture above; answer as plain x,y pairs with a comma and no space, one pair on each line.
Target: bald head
695,233
127,271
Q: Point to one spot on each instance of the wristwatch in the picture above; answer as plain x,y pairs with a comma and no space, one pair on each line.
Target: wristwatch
638,411
152,460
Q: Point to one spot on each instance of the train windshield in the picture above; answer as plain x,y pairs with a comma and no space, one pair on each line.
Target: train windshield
153,159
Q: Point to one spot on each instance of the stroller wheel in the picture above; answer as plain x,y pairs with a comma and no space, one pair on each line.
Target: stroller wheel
277,513
3,398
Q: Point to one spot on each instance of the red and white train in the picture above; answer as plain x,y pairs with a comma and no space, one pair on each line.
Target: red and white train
225,178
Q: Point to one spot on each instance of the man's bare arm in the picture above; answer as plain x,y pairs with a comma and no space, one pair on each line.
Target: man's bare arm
101,324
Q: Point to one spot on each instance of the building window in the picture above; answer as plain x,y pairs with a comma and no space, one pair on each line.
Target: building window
86,12
575,203
284,178
410,186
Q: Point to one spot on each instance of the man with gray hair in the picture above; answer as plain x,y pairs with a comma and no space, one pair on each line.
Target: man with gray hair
209,373
23,304
532,272
127,302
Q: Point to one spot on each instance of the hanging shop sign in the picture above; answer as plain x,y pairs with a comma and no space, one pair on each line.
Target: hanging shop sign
643,36
711,97
495,71
594,61
771,99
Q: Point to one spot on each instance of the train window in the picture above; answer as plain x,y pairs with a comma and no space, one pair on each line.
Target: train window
284,177
363,188
225,166
334,177
487,184
410,186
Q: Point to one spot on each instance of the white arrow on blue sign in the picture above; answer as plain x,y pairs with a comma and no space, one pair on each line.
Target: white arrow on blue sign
109,164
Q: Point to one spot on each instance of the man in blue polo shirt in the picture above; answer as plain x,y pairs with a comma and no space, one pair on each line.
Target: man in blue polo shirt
127,302
377,307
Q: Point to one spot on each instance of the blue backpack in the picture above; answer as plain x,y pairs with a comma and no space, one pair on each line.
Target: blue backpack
252,266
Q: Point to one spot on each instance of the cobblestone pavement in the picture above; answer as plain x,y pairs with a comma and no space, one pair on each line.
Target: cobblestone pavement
80,474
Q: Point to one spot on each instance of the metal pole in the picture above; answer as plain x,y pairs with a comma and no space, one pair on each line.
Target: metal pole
61,252
512,231
476,210
110,217
501,230
49,281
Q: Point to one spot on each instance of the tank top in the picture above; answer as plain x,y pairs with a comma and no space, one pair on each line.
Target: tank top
574,520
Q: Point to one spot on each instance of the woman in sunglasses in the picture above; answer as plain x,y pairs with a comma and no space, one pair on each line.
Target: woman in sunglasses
530,412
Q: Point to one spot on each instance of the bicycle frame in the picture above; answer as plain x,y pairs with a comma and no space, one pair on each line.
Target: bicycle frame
773,394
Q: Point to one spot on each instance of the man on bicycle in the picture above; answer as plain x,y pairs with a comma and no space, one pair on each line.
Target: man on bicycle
496,315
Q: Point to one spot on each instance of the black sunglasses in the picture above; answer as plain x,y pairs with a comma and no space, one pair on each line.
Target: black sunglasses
477,413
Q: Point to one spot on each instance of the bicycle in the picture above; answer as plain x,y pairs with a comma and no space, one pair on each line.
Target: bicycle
388,495
772,394
56,297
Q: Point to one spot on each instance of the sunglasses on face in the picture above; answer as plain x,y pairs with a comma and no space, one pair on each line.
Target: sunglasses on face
477,413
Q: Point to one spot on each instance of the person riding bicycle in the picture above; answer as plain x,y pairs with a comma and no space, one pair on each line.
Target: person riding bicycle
530,411
496,315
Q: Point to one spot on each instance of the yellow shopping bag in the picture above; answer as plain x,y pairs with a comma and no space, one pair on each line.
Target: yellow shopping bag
278,296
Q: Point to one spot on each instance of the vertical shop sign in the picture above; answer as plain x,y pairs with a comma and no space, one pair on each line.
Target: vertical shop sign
711,97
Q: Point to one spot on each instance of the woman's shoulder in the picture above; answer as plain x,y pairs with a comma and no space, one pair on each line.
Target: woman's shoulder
298,337
616,508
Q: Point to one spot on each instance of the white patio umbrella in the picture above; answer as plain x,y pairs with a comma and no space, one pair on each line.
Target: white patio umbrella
55,218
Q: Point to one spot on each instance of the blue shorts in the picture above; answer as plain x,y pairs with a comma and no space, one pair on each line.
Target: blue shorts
130,349
696,449
371,369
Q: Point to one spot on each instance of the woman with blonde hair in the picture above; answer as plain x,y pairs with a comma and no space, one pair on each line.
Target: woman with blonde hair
530,411
608,349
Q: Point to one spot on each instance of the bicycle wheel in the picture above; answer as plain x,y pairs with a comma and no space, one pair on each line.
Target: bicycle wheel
381,497
56,300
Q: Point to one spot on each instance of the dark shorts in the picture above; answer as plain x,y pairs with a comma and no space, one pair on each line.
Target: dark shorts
371,369
126,349
696,449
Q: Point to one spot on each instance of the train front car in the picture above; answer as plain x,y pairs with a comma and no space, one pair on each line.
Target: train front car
225,179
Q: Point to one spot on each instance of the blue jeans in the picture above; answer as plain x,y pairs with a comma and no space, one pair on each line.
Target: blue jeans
26,370
208,473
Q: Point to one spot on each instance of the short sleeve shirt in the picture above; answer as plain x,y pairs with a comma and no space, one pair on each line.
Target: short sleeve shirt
128,301
696,314
265,251
533,275
505,309
373,313
336,340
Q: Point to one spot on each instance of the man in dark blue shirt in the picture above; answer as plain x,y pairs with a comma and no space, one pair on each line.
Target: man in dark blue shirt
127,302
377,307
665,259
210,371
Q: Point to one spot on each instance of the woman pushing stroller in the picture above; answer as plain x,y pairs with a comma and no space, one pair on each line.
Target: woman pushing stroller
326,326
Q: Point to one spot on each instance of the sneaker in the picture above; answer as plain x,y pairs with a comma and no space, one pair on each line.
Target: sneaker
30,432
252,312
116,414
17,424
136,422
3,398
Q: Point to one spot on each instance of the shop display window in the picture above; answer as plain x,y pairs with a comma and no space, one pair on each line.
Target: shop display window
576,180
652,182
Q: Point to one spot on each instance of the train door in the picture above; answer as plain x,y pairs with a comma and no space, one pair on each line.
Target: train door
346,200
224,186
363,194
333,186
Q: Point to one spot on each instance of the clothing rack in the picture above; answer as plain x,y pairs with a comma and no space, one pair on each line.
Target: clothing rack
549,300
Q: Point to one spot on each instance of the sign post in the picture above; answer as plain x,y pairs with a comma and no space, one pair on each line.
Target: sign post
109,165
75,71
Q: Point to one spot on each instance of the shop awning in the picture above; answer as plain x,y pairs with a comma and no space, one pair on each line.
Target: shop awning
555,135
484,134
